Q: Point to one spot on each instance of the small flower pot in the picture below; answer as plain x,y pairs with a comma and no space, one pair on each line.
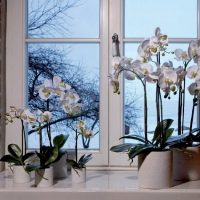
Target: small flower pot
78,175
20,175
155,170
186,164
44,177
60,168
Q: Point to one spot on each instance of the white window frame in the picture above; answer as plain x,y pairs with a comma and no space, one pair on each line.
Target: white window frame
111,105
16,71
116,102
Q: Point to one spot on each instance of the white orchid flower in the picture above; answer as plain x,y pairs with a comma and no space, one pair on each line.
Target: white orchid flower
40,117
194,88
163,39
129,75
28,116
45,92
181,55
86,132
167,78
144,53
76,108
47,116
71,97
181,73
193,72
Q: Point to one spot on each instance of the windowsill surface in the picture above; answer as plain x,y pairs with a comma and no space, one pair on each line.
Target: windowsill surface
100,185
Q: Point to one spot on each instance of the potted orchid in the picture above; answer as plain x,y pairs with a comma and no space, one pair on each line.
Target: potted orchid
79,165
168,81
68,100
19,160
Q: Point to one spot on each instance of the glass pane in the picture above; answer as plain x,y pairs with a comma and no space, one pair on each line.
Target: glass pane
134,101
63,18
175,18
77,65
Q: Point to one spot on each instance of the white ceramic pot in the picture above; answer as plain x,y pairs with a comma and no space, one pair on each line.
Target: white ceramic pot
186,164
155,170
20,175
60,168
78,175
44,177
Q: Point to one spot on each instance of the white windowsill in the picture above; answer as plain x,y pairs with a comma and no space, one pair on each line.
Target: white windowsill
115,185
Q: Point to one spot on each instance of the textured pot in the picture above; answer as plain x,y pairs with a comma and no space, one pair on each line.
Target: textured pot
78,175
44,177
186,164
155,170
20,175
60,168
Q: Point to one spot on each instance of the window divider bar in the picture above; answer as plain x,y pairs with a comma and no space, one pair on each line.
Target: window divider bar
63,40
171,40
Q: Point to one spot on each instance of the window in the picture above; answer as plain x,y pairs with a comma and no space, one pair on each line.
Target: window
81,39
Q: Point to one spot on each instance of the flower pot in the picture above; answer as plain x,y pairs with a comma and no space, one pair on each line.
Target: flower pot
78,175
20,175
60,168
155,170
44,177
186,164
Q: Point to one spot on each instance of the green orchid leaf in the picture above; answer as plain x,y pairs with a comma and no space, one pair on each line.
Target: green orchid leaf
161,127
122,147
30,168
10,159
73,163
168,134
139,149
84,159
177,139
134,137
53,156
15,151
27,156
60,140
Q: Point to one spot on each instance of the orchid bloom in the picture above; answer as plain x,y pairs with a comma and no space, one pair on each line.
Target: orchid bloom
181,55
181,73
194,50
86,132
194,89
144,53
167,79
43,116
193,72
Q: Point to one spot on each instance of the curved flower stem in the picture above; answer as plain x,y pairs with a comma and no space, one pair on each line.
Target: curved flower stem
76,146
22,137
48,126
192,115
161,115
180,105
40,141
145,100
145,112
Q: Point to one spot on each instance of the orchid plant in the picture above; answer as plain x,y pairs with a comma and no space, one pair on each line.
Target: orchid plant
69,101
84,131
18,155
168,80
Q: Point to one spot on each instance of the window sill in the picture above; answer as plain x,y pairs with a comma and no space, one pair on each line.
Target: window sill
100,185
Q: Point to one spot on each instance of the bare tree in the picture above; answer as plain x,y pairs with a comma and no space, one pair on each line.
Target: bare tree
47,17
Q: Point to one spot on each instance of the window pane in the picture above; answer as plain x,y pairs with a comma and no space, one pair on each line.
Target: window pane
76,64
63,18
134,114
175,18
